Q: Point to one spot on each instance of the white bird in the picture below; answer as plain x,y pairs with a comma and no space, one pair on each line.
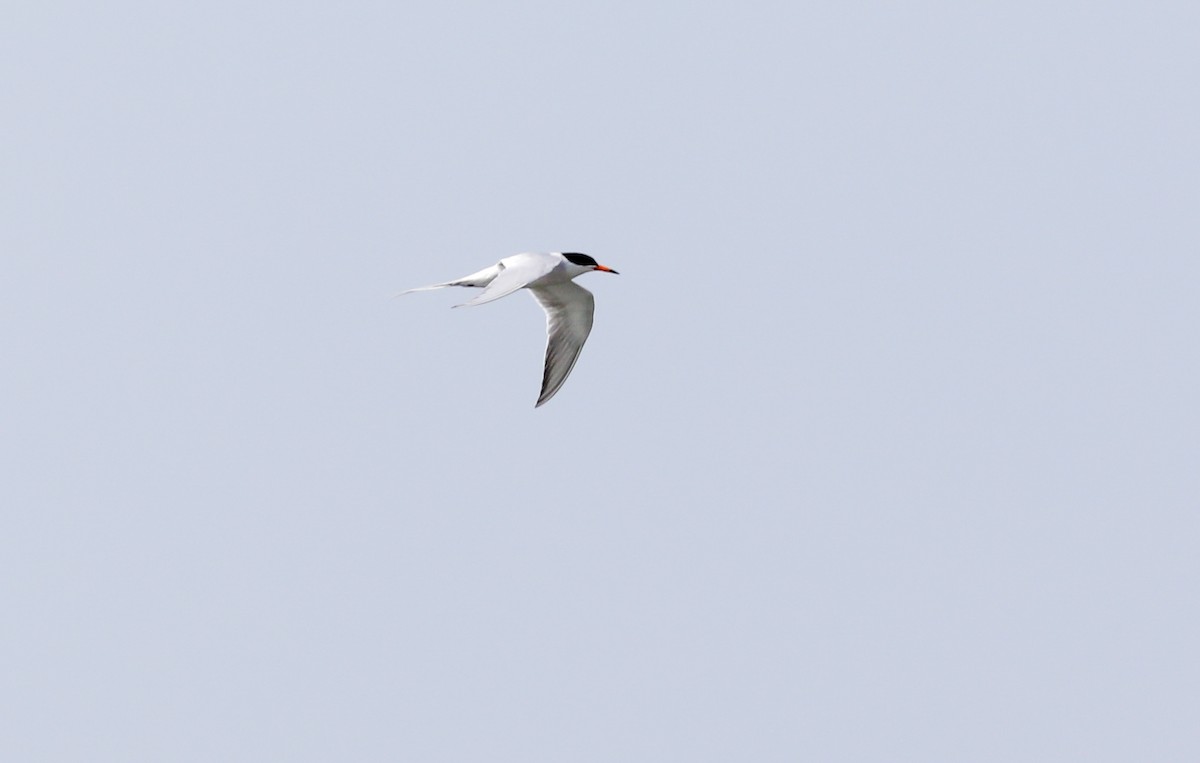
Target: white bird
568,307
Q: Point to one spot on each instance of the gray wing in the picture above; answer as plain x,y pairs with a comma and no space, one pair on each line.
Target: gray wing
569,310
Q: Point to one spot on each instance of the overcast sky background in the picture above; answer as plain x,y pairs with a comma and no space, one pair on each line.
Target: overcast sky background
884,446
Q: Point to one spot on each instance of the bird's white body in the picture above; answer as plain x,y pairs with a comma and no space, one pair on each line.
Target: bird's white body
569,308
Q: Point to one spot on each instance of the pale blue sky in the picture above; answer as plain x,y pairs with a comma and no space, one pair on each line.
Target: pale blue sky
884,446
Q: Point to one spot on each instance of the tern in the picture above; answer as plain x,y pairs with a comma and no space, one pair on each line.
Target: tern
569,307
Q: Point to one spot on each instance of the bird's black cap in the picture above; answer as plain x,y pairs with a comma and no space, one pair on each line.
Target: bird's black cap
582,260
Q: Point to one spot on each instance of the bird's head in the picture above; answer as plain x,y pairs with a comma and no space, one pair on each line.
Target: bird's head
585,263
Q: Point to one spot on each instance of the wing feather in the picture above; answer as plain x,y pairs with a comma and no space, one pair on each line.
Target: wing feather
516,272
569,311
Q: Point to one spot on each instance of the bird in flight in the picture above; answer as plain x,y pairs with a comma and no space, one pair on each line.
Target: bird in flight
569,307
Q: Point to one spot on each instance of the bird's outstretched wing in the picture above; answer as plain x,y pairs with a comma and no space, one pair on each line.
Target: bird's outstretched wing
516,272
569,309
